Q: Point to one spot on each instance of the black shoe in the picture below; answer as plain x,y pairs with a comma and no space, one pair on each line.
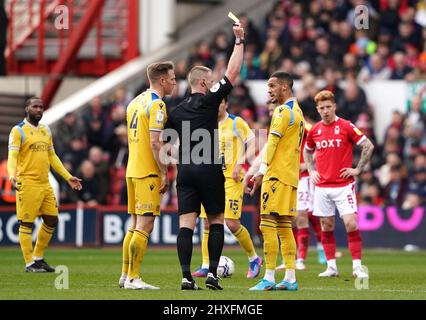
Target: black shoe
212,282
34,268
189,285
43,264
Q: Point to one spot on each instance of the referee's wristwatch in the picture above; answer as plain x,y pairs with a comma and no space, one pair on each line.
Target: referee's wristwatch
239,41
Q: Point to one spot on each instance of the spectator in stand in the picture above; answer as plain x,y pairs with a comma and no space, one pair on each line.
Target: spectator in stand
396,126
404,36
330,77
392,160
419,73
240,99
181,70
400,71
417,181
118,160
372,195
117,118
77,152
384,51
252,35
412,200
389,18
368,188
342,39
94,120
306,98
296,53
251,67
365,125
221,45
121,98
301,70
375,69
323,56
363,46
365,179
414,125
120,152
294,35
287,65
351,65
353,102
69,127
395,190
203,55
420,16
101,165
270,56
89,195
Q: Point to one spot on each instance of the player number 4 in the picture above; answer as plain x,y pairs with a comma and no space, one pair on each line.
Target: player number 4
134,122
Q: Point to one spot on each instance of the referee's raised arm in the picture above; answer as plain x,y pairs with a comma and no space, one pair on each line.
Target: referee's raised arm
237,57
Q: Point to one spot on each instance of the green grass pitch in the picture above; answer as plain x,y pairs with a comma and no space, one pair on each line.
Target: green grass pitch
94,273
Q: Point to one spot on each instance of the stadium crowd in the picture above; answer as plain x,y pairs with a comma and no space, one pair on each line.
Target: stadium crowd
315,42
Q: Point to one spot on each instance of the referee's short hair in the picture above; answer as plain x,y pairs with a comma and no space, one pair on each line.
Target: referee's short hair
197,73
283,77
158,69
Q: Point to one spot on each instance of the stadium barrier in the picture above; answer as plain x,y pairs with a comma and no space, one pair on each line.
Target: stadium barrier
384,227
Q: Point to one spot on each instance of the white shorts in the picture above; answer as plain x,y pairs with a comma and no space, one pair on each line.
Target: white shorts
305,194
326,200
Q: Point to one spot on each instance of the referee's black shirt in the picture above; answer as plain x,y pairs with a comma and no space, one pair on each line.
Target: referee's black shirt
200,177
198,111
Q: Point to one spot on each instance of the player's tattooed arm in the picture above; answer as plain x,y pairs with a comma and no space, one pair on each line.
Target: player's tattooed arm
310,164
366,153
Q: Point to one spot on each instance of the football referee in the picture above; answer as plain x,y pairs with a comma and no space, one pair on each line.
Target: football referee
200,178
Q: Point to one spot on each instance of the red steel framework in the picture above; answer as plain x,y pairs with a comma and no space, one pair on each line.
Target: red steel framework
32,26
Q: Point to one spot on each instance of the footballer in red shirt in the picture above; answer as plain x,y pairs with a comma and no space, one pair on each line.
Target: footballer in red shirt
332,140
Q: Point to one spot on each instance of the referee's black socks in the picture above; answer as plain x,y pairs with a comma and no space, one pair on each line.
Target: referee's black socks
184,248
215,244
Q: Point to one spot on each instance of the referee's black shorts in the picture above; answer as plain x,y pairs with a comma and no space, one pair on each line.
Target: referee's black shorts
200,184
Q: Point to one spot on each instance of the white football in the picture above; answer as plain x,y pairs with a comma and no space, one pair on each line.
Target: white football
226,267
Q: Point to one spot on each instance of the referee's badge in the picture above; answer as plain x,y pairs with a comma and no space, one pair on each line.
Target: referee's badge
215,88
